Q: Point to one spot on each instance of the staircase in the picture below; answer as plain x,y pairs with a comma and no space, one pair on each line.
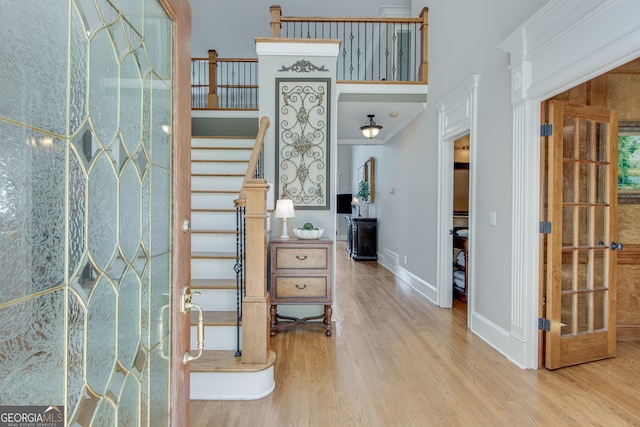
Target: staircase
218,167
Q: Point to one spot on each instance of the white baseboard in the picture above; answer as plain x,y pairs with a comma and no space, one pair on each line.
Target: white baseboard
498,338
391,261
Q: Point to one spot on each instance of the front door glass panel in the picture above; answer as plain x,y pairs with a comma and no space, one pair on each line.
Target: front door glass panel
85,209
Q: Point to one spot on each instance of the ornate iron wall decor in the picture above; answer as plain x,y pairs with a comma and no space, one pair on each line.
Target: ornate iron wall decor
302,141
303,66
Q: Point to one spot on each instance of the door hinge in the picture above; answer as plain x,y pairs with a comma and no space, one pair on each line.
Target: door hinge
546,129
544,324
545,227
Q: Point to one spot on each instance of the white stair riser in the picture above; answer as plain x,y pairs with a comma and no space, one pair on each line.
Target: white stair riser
220,154
216,299
216,182
232,385
218,167
216,338
222,142
212,269
213,220
213,201
213,242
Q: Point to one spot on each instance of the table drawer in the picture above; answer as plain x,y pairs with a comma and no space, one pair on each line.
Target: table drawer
301,288
302,258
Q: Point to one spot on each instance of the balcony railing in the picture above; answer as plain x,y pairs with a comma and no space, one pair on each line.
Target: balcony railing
372,50
224,83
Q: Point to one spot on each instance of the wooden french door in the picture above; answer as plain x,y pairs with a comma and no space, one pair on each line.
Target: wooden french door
582,246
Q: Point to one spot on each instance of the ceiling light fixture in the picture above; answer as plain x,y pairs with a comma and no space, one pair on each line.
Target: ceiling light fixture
370,129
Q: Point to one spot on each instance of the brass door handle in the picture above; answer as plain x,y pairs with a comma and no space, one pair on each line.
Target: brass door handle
187,305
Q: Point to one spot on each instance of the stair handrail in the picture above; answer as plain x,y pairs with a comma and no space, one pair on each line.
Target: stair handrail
254,160
251,258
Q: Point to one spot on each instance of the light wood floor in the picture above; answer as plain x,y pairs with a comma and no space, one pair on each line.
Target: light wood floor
398,360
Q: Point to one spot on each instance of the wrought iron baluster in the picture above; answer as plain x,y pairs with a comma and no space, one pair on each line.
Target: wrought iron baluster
239,270
358,52
393,57
344,50
351,51
400,44
379,51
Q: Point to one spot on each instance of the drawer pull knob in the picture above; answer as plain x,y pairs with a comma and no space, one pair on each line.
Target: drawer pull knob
301,258
301,287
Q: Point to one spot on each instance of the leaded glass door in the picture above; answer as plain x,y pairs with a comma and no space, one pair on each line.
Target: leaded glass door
85,209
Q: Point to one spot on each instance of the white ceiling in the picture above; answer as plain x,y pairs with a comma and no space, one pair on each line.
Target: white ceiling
393,105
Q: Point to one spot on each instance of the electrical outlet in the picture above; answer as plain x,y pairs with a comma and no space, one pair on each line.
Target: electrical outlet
405,259
492,218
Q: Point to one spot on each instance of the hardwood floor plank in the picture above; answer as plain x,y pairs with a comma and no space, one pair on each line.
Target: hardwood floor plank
395,359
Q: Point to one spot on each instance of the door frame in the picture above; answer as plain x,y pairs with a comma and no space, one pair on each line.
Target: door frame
180,13
544,61
456,117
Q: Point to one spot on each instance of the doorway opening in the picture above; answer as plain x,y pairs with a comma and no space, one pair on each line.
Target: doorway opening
457,122
616,90
460,230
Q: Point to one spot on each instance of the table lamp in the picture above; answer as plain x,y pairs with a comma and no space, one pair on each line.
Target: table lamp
284,210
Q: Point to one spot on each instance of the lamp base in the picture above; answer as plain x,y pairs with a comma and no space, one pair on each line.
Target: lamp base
285,234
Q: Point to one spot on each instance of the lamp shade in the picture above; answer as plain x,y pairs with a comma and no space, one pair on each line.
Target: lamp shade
284,208
370,129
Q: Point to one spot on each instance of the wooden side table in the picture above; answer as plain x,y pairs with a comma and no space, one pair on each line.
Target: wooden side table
301,273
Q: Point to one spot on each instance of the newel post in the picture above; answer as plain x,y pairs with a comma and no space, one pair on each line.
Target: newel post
255,305
212,100
276,14
424,30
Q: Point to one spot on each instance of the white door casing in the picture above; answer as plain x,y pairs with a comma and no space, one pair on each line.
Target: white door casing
456,117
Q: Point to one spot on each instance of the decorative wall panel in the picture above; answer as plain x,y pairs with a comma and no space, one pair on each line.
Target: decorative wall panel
302,141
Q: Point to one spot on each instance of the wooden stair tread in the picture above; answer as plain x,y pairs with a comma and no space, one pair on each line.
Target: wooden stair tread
222,148
213,255
202,210
227,361
218,175
213,284
215,318
217,191
218,161
253,137
210,231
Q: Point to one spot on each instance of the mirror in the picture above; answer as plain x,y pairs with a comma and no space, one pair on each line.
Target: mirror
369,177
